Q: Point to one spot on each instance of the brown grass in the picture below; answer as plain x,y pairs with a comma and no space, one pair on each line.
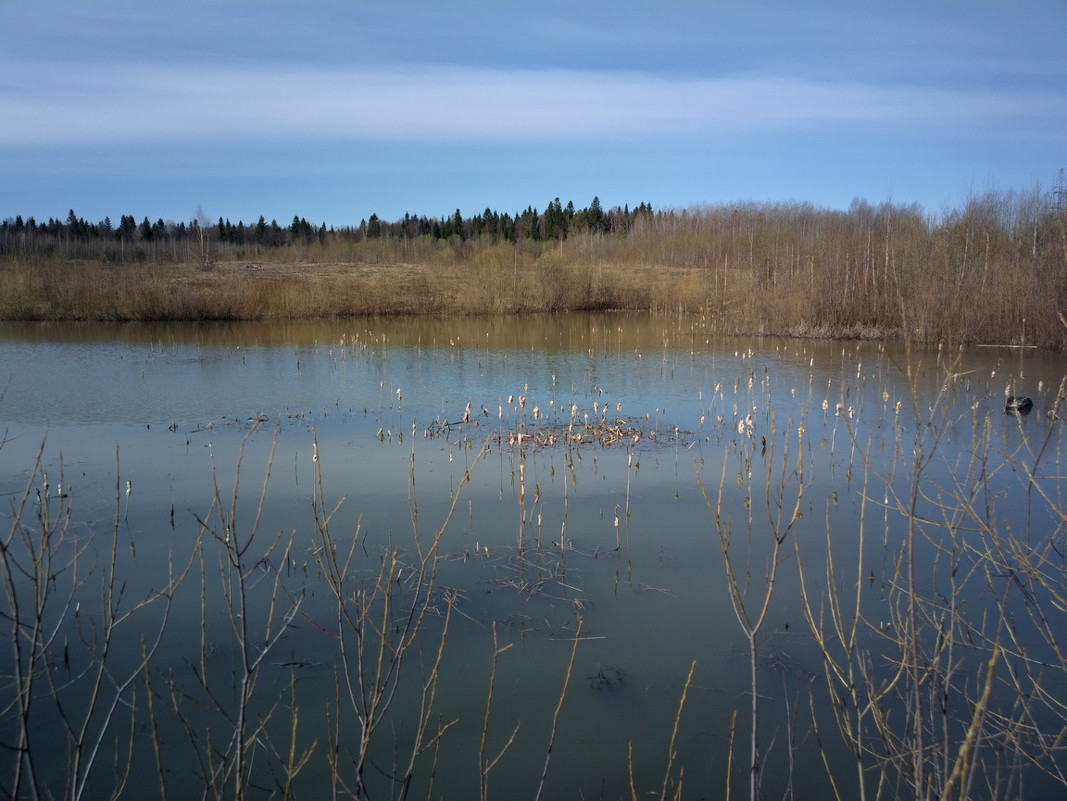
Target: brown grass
992,272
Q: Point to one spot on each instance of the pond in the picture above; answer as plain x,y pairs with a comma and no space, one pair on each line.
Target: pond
544,556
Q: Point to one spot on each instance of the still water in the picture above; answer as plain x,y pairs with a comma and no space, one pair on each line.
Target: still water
522,511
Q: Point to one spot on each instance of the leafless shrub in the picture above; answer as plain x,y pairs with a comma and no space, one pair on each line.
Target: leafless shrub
68,697
934,698
992,271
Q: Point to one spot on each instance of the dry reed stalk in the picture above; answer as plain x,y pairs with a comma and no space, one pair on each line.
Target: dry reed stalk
960,768
730,754
485,765
671,753
559,706
782,515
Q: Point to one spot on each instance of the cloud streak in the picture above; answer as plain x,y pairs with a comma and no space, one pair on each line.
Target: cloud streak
422,104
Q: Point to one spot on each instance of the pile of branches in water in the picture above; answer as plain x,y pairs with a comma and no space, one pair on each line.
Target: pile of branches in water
603,432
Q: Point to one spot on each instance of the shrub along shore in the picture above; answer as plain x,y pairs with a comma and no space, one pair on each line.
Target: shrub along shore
991,272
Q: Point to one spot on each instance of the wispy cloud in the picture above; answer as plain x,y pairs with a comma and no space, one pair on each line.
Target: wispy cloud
448,103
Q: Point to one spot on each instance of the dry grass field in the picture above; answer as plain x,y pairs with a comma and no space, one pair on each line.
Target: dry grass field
992,272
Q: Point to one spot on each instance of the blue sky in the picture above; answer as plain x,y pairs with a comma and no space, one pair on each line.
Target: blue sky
333,110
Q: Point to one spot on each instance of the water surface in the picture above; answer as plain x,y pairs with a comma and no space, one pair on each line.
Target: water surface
569,466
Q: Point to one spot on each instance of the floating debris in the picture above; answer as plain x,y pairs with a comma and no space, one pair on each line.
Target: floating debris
599,431
606,679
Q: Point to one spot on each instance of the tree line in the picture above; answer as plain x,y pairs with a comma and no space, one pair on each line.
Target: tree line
991,270
130,240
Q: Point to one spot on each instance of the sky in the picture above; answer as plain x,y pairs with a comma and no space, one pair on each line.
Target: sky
332,110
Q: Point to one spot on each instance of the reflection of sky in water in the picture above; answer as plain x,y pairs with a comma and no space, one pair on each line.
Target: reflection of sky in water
649,608
59,375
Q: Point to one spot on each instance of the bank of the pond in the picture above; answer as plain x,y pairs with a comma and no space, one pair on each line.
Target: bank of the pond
993,272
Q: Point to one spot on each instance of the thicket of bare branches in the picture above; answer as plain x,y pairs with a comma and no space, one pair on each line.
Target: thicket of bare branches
935,620
992,271
935,615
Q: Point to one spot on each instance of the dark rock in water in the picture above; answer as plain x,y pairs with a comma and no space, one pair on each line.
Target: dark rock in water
1017,404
